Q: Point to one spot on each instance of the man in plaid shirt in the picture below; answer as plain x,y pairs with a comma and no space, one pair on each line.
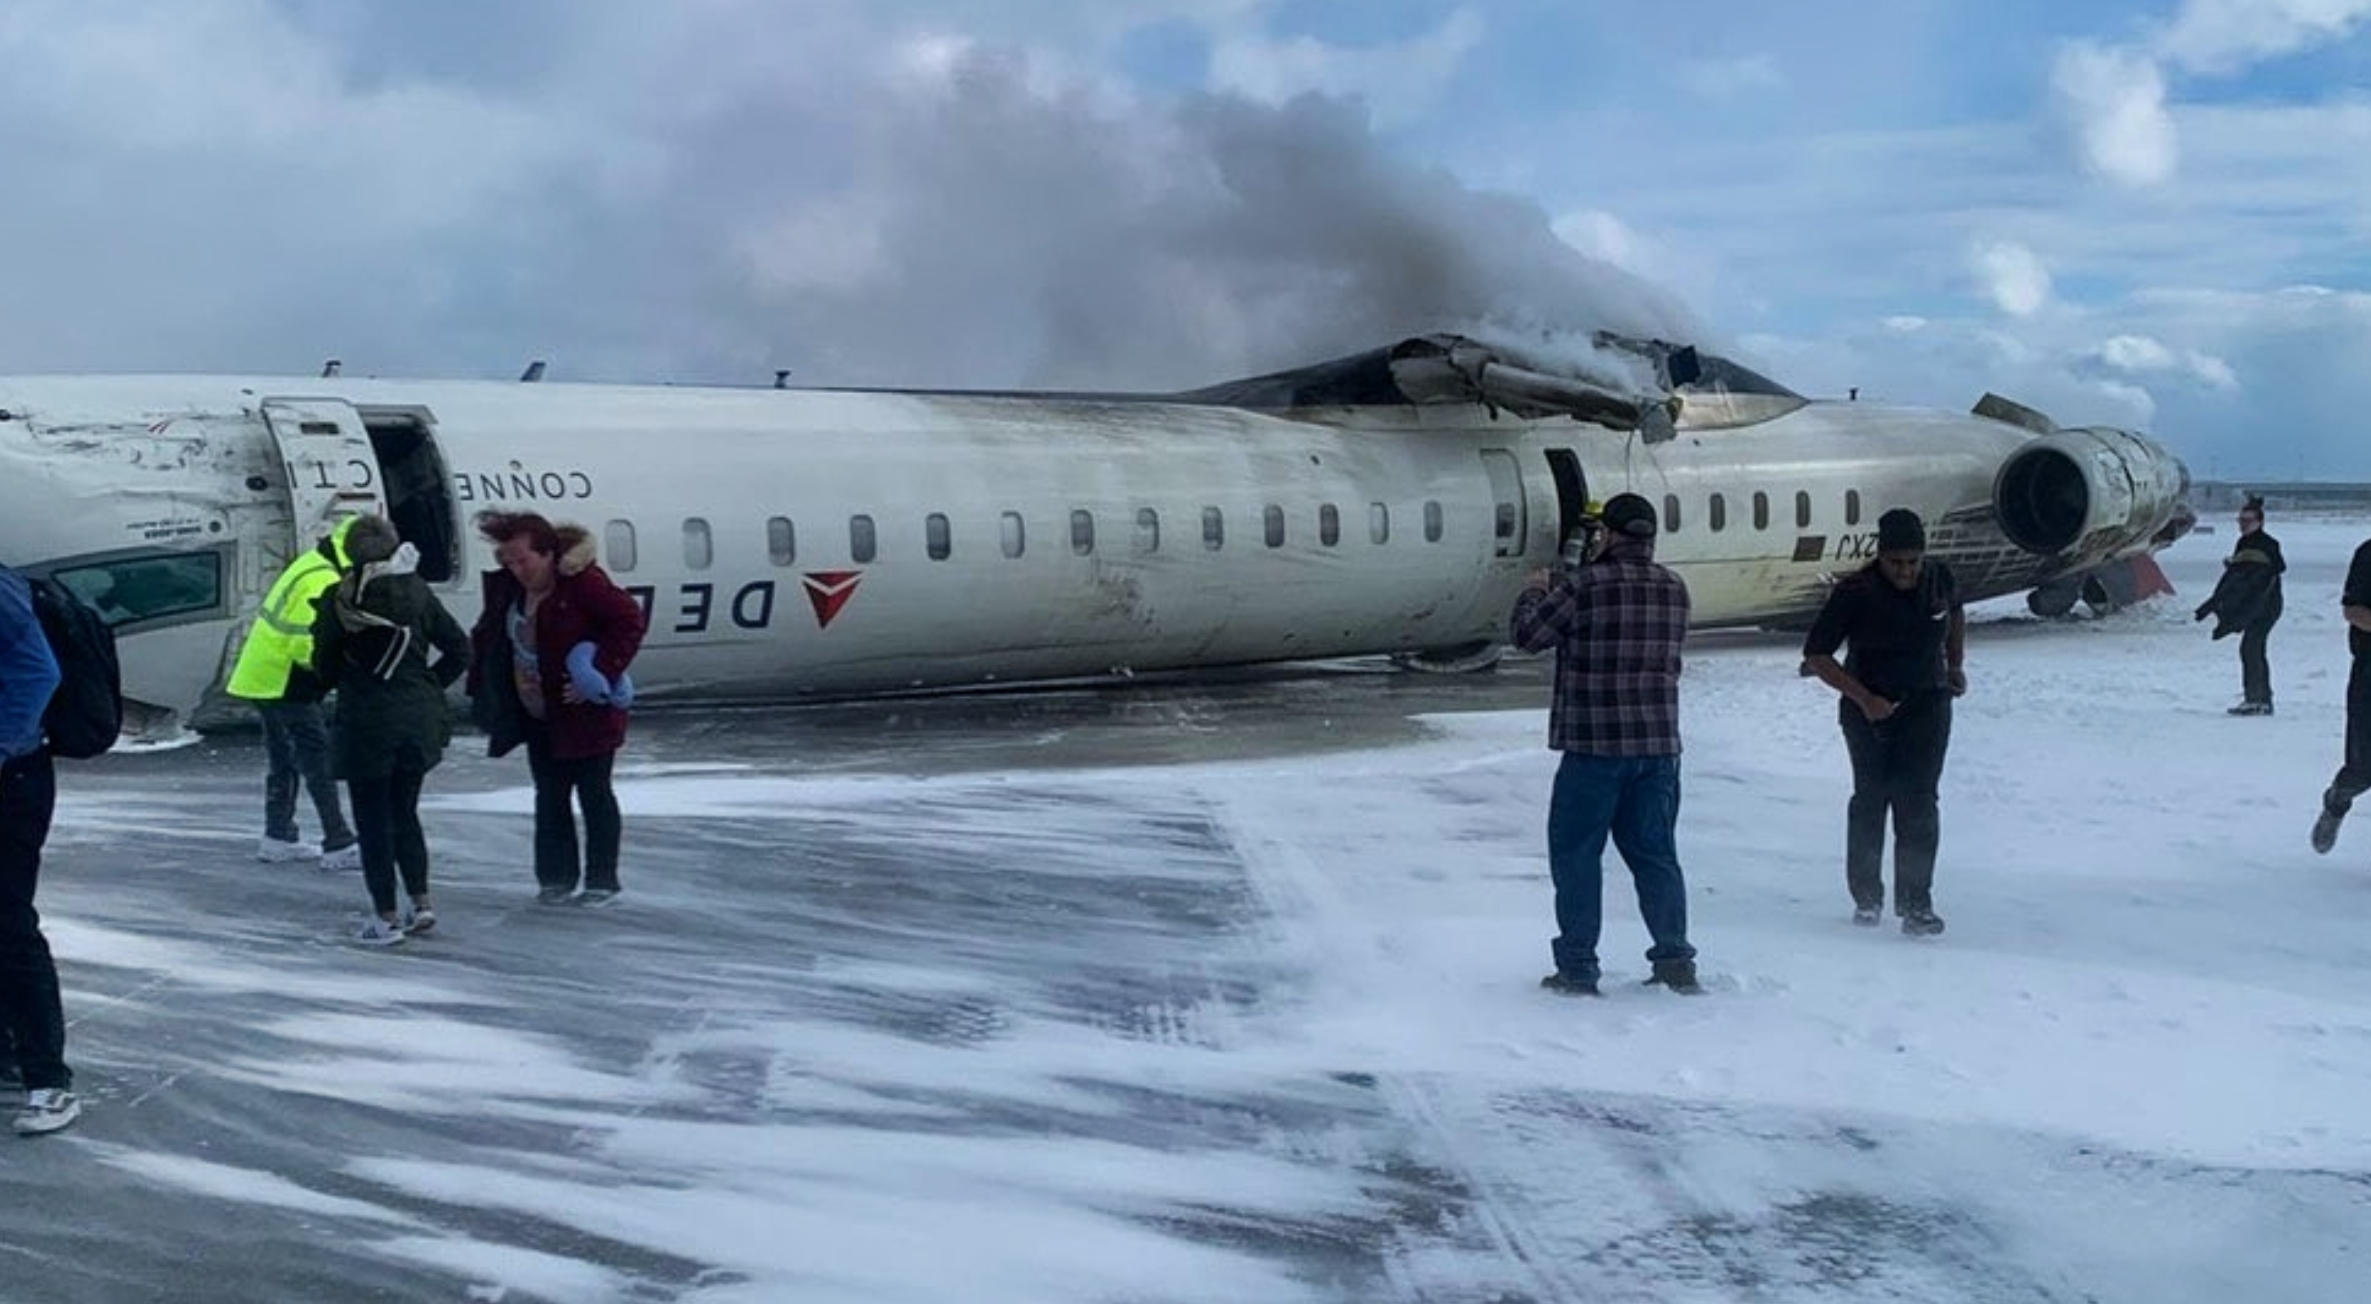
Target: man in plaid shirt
1617,624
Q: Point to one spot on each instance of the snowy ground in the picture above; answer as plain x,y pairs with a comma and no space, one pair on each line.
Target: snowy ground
1226,994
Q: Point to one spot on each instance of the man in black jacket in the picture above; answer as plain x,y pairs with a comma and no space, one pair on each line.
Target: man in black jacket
1907,633
2248,601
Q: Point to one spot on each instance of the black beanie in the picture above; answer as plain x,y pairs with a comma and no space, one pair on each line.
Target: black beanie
1631,515
1900,530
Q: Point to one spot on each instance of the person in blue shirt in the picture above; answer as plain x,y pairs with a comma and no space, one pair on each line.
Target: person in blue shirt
29,1006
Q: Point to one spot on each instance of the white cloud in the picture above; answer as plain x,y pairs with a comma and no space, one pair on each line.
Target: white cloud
1396,81
2136,353
2138,406
1905,324
1728,79
2220,36
2013,277
2115,100
2145,355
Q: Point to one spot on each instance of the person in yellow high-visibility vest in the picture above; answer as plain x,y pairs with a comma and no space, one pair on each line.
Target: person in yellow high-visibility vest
275,672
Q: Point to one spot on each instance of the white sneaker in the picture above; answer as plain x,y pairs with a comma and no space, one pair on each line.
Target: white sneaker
47,1110
344,858
374,931
423,920
272,851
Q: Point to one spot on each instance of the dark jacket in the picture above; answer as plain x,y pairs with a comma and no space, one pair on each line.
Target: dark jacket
371,642
584,605
1896,641
2248,596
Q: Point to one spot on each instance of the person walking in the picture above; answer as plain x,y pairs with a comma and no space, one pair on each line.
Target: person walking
1907,632
2354,773
2247,601
1618,622
547,597
274,672
30,1008
372,643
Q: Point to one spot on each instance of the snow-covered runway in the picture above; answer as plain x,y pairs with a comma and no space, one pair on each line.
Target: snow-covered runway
1226,994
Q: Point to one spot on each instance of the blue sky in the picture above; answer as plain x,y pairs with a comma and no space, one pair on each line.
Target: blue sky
2152,214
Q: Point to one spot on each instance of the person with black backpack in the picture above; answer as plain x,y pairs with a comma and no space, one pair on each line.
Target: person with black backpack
29,1003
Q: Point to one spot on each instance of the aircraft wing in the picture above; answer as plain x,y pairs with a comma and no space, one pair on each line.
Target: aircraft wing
1452,369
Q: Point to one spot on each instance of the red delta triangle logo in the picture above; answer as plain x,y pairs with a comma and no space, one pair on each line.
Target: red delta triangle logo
829,591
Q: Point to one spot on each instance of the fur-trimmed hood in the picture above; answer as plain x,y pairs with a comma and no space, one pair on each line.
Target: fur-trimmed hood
578,549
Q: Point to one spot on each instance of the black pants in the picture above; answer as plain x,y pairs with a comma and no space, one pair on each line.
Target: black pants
1897,767
387,820
2255,669
35,1018
560,787
2354,777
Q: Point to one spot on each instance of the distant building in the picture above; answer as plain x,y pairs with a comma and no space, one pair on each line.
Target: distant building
2212,498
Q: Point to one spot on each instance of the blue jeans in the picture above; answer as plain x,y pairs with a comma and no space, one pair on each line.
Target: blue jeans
1635,799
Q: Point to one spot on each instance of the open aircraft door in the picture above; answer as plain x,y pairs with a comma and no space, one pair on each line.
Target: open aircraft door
332,470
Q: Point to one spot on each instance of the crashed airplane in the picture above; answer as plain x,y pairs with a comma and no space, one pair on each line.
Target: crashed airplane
822,543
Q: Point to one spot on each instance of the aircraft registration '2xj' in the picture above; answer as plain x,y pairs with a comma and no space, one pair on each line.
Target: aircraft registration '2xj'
813,543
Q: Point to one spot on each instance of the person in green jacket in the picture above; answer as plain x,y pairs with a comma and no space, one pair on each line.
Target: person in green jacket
390,650
273,672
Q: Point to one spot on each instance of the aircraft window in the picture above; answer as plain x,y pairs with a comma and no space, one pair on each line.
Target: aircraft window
937,536
1761,510
1379,522
1148,530
864,542
144,588
1214,529
782,540
1671,513
617,546
1852,507
699,544
1272,519
1718,517
1802,510
1082,532
1016,539
1329,525
1432,521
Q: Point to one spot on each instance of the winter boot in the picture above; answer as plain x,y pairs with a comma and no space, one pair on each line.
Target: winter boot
2325,826
1678,975
1570,984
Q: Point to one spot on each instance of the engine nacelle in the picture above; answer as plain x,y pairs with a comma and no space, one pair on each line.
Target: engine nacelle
2087,494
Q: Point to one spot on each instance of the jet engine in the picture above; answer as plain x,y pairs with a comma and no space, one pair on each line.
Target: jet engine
2088,493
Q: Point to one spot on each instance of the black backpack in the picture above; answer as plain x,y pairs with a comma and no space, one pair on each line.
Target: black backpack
85,715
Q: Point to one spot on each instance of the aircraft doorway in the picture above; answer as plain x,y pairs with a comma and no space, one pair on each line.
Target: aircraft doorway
1572,492
419,490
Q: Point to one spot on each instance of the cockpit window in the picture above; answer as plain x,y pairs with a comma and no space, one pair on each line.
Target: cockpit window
150,587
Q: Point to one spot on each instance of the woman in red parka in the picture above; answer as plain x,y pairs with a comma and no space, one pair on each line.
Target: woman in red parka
547,598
